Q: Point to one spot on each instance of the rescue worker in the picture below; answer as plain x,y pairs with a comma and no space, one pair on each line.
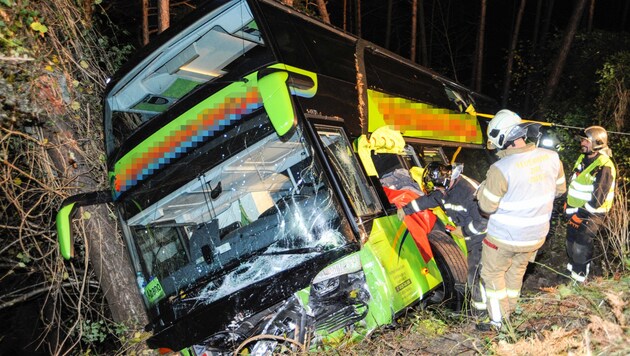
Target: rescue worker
455,193
518,195
590,197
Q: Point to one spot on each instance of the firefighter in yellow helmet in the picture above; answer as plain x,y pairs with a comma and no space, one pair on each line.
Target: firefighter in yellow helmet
518,195
590,197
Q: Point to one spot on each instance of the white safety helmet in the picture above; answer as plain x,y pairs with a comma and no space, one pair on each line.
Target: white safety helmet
504,128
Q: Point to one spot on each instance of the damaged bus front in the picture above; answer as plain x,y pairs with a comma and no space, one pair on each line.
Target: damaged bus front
241,170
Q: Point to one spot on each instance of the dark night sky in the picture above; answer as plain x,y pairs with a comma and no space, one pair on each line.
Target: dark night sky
458,20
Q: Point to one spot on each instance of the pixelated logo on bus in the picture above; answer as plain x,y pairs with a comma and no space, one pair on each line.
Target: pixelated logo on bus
415,119
183,134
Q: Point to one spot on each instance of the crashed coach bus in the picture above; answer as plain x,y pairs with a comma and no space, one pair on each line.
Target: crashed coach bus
245,151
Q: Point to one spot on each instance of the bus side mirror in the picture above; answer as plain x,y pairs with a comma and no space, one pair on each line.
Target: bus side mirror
277,101
64,217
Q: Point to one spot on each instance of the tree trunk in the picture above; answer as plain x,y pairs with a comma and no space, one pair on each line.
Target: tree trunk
107,253
536,25
431,31
145,22
345,15
510,61
323,12
547,21
563,53
163,15
591,13
388,26
358,17
478,67
423,35
110,259
414,29
624,15
532,56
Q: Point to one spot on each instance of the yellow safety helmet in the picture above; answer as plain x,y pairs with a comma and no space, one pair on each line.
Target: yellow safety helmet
597,135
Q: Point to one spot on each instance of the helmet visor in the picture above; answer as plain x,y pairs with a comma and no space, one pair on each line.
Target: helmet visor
437,175
582,136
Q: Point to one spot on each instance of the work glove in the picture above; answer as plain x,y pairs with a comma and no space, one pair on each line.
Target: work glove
401,214
578,223
458,231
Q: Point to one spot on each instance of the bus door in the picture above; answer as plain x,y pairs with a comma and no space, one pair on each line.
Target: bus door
397,273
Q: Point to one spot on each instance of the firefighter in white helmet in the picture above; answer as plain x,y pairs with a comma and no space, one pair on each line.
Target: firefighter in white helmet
590,197
518,195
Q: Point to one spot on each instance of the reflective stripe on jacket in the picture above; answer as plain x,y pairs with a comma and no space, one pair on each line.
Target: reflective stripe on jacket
531,178
463,209
584,184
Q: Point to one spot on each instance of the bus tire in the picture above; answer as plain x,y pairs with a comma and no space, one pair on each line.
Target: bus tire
453,266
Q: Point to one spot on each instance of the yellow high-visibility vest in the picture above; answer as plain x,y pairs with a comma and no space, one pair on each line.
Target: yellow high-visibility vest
582,186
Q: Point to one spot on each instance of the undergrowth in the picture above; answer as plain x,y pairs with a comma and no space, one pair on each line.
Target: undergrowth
565,319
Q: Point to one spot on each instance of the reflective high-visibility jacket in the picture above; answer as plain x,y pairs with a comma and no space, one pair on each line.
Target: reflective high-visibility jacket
519,191
592,185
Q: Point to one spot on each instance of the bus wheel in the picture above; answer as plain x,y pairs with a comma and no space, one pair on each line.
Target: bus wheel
453,266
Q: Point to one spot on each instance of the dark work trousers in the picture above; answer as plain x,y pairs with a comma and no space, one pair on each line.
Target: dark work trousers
580,245
474,246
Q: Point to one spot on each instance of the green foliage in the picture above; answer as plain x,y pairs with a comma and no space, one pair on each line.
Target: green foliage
117,54
617,67
614,90
613,104
22,15
24,259
38,27
593,91
93,331
578,89
431,326
307,7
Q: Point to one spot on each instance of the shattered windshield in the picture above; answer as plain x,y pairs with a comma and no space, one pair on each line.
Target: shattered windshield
256,213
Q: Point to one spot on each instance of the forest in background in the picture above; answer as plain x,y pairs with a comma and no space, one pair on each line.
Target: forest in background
56,57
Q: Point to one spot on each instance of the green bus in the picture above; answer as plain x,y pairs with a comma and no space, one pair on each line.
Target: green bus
246,149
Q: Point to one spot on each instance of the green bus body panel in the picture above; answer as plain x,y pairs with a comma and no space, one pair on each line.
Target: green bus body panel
395,271
64,230
396,276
